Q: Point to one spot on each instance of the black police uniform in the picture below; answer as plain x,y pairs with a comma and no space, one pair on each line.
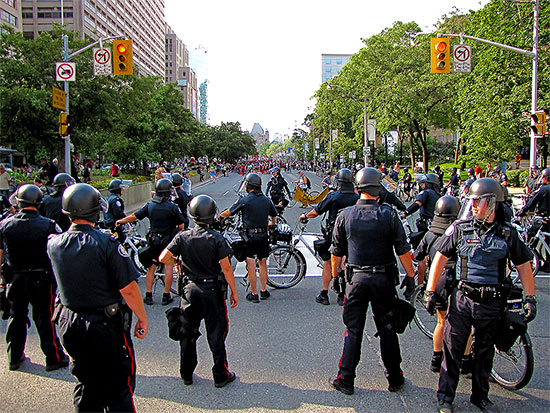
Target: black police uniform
276,187
541,203
407,181
200,250
164,218
4,204
428,197
368,234
532,184
255,209
182,199
454,180
115,212
51,208
23,237
91,268
482,251
389,198
333,203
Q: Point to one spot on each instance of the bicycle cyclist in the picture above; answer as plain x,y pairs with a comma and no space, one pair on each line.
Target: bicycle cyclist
482,244
327,180
333,203
276,188
115,211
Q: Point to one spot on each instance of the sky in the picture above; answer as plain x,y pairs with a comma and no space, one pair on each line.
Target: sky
264,57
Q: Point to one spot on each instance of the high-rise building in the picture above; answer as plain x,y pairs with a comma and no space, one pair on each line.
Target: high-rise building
203,99
198,60
139,20
331,64
10,13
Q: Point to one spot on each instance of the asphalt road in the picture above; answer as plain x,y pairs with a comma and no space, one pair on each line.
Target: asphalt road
283,351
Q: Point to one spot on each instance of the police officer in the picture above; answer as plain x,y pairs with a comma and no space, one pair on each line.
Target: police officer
540,201
255,209
389,198
115,210
95,274
425,201
51,207
276,188
181,197
369,234
469,181
333,203
482,246
204,254
165,220
454,182
437,170
407,182
23,239
446,212
5,206
533,182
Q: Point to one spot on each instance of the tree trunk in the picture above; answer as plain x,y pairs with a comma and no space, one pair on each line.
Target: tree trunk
458,144
411,148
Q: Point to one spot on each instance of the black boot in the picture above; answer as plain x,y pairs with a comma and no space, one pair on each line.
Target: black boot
467,365
436,361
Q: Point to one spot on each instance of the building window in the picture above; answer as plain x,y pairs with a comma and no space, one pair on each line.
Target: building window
27,15
339,61
12,3
327,62
11,19
328,69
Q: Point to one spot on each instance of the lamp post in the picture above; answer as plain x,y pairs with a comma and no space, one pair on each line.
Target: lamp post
365,121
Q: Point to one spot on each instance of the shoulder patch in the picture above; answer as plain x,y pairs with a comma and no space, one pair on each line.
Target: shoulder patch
122,251
113,238
118,204
450,230
57,228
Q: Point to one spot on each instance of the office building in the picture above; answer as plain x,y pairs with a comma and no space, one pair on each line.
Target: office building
139,20
331,64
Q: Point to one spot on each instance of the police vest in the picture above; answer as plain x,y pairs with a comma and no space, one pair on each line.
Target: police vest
481,257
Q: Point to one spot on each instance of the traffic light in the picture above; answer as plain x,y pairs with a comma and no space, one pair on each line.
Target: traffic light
440,55
539,119
63,123
122,57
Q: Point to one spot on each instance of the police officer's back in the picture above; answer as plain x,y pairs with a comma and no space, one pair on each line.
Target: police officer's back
370,235
207,272
95,274
23,239
51,206
181,197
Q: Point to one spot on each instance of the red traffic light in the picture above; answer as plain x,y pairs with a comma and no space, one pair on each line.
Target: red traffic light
121,48
441,46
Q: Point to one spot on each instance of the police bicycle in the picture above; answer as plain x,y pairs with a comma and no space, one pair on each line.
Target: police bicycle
512,366
535,238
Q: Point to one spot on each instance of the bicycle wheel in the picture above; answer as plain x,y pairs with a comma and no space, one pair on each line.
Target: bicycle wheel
285,267
513,369
425,322
135,259
159,276
292,201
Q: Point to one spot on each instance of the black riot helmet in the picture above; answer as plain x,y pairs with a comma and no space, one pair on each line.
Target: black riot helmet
163,188
484,187
368,180
253,181
432,181
447,207
83,201
203,209
344,175
177,180
545,174
453,170
115,186
62,181
276,170
28,196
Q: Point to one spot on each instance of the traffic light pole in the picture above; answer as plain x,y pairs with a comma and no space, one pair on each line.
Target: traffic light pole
534,85
67,58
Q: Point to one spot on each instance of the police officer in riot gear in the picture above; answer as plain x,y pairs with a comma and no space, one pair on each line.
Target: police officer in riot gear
115,211
370,234
165,220
437,171
446,212
540,201
203,254
23,239
333,203
181,197
389,198
255,209
95,275
469,181
482,245
500,176
454,182
51,206
276,188
425,201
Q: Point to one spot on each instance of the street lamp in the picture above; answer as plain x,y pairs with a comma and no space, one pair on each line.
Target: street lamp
364,101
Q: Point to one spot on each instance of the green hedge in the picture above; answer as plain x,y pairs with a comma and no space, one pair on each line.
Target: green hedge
517,177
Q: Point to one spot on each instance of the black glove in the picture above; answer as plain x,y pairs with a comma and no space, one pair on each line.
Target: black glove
429,302
409,285
530,308
336,285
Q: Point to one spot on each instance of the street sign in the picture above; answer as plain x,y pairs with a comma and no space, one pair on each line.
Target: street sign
316,143
352,155
102,61
371,130
462,58
58,98
334,134
367,149
65,71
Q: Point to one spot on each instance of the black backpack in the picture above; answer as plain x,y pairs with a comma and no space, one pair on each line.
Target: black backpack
308,183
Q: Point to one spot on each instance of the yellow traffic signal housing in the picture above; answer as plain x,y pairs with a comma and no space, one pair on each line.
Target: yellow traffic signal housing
63,130
539,119
122,57
63,123
63,118
440,53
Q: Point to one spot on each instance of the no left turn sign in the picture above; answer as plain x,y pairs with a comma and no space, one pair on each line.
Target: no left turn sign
65,71
462,58
102,61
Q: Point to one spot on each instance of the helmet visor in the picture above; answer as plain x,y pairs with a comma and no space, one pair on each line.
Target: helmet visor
103,204
480,207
